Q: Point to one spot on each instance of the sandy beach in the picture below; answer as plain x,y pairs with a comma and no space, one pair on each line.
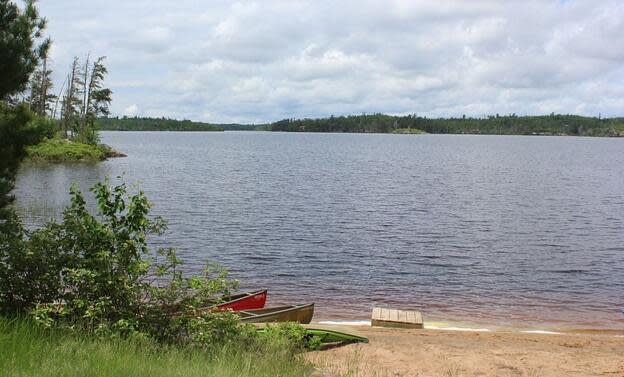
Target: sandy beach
399,352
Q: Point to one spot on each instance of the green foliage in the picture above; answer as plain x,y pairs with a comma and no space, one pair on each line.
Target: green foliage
88,135
291,334
98,98
41,97
61,150
410,131
96,273
153,124
28,271
84,100
492,125
19,31
242,127
30,350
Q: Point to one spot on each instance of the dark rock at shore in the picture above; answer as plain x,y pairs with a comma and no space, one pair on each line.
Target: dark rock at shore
110,152
113,153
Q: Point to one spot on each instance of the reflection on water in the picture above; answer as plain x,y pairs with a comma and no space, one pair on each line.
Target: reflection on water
487,228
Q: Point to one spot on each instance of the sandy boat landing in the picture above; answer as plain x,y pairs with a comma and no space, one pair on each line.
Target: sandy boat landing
423,353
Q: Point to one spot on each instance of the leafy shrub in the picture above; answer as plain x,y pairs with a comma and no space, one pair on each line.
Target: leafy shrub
58,150
291,335
29,270
89,136
96,273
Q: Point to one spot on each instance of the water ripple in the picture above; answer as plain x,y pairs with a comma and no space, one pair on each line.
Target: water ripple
499,228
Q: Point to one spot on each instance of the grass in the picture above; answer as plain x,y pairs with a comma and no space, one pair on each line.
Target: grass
410,131
354,364
28,350
61,150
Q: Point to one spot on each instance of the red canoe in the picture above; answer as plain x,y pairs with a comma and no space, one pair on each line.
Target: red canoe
243,301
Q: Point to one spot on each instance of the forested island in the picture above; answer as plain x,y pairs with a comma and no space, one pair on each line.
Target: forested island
166,124
553,124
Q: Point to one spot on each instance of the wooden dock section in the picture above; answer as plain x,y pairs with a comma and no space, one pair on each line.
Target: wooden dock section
408,319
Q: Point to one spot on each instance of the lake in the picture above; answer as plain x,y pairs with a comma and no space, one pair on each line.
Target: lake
503,230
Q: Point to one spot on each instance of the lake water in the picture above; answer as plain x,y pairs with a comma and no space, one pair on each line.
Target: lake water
485,229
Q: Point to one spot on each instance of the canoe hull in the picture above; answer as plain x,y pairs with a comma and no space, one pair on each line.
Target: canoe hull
293,313
330,338
326,336
244,301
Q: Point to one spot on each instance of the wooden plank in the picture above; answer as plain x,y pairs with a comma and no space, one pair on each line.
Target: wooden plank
376,313
419,318
396,318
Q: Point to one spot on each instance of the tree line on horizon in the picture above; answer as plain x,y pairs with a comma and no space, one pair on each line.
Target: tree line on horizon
552,124
152,124
139,123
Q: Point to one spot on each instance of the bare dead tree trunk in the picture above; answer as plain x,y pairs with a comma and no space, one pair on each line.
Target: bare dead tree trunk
90,87
69,98
57,101
66,105
44,88
84,110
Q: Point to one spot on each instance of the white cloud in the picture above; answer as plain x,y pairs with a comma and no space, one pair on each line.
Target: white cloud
258,61
131,110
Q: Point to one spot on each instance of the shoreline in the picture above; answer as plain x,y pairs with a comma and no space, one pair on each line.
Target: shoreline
481,327
426,352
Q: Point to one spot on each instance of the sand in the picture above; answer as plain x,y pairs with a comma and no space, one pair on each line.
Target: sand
397,352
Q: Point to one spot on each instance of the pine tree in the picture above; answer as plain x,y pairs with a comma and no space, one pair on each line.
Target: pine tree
96,99
19,32
70,115
41,97
20,52
84,100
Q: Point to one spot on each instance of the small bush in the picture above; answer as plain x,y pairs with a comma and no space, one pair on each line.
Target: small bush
61,150
96,273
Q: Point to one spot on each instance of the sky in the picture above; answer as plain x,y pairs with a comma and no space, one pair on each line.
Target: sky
262,61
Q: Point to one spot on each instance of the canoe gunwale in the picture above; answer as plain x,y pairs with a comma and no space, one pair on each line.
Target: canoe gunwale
274,316
243,296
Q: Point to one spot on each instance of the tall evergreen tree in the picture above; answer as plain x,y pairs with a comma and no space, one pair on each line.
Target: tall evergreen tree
72,100
96,99
41,97
21,49
20,31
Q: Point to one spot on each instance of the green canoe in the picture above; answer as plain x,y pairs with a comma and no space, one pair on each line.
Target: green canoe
328,336
331,336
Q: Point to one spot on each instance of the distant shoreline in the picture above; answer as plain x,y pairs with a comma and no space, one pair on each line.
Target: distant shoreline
543,125
372,133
